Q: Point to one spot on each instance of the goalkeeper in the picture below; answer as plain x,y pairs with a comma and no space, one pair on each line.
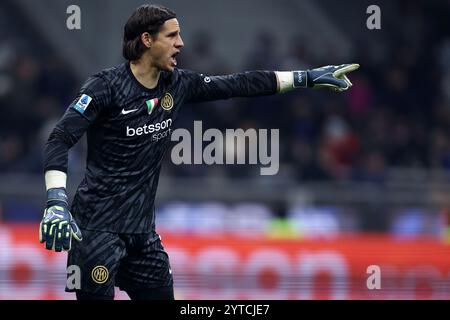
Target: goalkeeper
109,230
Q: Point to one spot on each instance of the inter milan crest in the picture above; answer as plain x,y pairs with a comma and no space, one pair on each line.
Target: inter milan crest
151,104
100,274
167,102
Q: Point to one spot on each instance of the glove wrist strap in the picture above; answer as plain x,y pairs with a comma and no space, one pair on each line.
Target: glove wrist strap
300,79
57,196
290,80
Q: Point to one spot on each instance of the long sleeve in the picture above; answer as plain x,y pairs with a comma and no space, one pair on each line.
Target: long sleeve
93,97
201,88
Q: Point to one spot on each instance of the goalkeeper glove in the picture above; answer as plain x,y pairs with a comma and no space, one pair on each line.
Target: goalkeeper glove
333,77
57,226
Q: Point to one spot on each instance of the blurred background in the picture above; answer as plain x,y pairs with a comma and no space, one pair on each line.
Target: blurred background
364,176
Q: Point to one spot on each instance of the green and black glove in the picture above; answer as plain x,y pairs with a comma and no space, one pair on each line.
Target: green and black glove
333,77
58,226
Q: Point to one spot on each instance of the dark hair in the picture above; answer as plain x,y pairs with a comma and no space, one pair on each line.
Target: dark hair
146,18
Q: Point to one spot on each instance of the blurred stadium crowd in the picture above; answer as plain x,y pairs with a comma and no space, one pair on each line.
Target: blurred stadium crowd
396,116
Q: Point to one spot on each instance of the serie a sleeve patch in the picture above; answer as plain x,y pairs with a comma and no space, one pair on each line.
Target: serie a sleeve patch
82,103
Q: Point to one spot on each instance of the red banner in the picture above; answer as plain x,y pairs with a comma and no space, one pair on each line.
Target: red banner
232,267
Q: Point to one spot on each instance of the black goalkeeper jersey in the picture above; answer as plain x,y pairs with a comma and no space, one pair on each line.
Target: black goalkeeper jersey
128,130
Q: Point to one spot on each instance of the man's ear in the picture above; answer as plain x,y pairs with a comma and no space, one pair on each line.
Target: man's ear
147,39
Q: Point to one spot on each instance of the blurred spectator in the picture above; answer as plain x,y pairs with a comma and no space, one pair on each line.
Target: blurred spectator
264,53
201,55
340,146
372,168
411,222
297,55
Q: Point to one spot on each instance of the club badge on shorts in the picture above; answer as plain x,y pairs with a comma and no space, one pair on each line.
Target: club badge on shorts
100,274
167,102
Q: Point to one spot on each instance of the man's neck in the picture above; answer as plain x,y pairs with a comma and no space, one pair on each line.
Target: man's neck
145,72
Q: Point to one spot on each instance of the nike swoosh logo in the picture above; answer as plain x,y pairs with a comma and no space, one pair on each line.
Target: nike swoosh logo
128,111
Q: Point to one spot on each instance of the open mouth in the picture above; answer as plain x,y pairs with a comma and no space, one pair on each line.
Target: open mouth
173,59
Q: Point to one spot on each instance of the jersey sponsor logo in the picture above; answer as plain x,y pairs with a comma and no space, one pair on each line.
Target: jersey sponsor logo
82,103
148,129
128,111
151,104
100,274
167,101
207,79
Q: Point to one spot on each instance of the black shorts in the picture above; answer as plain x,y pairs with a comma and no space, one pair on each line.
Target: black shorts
130,262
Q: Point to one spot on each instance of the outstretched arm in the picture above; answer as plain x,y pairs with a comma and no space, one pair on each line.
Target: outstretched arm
200,87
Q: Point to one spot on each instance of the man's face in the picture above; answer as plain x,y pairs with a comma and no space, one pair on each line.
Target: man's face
166,45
